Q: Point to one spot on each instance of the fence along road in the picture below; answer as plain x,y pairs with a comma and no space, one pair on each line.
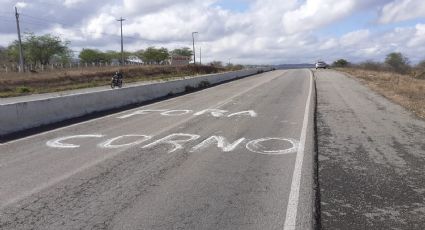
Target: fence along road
234,156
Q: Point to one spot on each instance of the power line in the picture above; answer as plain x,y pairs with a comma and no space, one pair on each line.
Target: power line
47,21
43,22
7,19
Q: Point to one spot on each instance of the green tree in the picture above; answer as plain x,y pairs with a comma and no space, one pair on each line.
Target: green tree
398,62
3,55
39,49
140,54
110,55
184,51
91,55
340,63
154,55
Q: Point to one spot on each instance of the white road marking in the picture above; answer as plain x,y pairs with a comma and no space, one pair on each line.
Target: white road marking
222,143
292,208
108,143
176,112
256,146
174,140
138,112
250,113
110,155
57,143
159,102
214,112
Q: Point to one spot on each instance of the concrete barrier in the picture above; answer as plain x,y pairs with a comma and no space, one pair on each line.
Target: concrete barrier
20,116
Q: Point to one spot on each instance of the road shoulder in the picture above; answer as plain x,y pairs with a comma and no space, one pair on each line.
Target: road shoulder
371,157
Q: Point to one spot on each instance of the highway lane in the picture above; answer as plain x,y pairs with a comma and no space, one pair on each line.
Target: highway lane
234,156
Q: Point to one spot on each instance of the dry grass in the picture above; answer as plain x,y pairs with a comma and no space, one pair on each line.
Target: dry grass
405,90
16,84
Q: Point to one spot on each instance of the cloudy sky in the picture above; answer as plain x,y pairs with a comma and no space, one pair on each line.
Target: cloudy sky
244,31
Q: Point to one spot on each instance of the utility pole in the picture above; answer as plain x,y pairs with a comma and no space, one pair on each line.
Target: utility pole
21,53
194,51
122,43
200,55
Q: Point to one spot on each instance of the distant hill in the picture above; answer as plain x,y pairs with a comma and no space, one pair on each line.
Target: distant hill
294,66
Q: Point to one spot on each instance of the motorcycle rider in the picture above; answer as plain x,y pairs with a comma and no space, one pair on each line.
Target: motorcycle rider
118,75
117,79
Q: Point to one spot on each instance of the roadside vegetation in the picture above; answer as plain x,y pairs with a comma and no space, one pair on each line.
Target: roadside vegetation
394,78
52,66
17,84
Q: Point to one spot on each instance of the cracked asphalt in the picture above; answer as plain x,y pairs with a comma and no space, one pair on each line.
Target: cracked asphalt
371,158
112,178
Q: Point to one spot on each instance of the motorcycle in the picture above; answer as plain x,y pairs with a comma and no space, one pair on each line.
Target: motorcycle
116,82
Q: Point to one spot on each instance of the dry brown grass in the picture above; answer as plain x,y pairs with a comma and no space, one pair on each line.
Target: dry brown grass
16,84
405,90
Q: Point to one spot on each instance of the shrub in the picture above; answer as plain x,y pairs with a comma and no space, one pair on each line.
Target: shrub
398,62
372,65
23,89
340,63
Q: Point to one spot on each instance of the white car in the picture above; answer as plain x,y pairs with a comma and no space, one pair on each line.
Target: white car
321,64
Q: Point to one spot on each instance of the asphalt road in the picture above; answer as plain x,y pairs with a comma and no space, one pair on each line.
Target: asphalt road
235,156
371,158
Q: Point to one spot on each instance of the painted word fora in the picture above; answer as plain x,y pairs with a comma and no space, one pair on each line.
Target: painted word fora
182,112
177,141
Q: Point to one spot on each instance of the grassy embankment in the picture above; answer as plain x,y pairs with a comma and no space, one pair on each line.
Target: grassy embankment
405,90
17,84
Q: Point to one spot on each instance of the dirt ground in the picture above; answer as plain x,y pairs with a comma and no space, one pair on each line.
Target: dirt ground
404,90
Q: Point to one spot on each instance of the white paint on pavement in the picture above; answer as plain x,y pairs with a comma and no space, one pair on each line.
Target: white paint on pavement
250,113
140,112
108,143
257,146
176,112
175,140
221,142
213,112
58,142
181,112
292,208
221,103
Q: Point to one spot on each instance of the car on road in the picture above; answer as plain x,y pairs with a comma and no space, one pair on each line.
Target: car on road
321,64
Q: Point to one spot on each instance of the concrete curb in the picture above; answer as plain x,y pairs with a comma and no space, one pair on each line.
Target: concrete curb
21,116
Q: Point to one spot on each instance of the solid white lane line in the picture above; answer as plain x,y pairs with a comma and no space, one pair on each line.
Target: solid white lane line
291,209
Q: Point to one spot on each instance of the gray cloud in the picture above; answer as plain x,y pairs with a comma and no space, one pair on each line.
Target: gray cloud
269,31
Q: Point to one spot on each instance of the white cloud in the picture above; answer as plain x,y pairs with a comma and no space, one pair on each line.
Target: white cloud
70,3
402,10
268,31
314,14
418,40
6,38
355,37
21,5
98,25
